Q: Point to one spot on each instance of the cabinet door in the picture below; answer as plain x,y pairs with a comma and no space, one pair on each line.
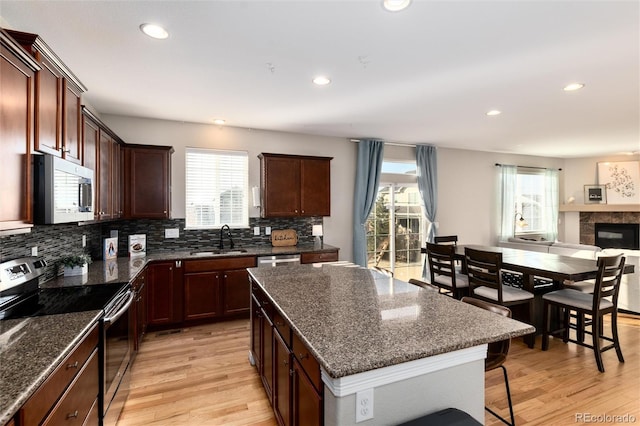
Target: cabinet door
161,294
116,180
72,121
201,295
282,372
315,187
307,404
105,200
148,182
16,137
266,372
48,124
236,292
280,186
90,140
256,333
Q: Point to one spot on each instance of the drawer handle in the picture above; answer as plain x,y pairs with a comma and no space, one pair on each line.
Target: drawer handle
72,415
303,356
74,365
279,323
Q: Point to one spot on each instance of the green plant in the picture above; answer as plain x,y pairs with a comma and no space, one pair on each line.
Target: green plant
75,260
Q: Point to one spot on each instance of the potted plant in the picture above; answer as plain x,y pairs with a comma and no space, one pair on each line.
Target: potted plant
77,264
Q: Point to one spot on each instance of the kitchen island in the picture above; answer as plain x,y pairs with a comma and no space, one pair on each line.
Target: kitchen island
404,350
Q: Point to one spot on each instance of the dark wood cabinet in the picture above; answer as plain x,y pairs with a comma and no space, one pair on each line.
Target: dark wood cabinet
290,373
17,80
201,295
236,292
307,402
139,310
295,185
147,177
104,178
58,94
164,302
71,391
319,257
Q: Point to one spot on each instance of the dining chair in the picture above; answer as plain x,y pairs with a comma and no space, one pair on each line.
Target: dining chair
446,239
603,301
485,282
496,352
442,270
423,284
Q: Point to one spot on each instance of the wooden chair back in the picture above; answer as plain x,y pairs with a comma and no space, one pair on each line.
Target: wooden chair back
484,270
610,269
446,239
496,351
442,262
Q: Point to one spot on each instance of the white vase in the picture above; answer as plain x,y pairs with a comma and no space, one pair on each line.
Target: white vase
76,270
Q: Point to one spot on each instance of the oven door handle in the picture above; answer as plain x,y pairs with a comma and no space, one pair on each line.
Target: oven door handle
122,310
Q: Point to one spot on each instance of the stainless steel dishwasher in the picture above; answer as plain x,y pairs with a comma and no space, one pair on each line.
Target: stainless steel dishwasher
278,260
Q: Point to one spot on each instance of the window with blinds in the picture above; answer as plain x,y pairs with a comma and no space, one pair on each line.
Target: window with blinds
217,186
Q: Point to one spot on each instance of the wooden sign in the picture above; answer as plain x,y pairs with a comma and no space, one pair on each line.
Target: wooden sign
284,237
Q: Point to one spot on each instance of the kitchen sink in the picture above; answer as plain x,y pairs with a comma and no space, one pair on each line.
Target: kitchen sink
217,252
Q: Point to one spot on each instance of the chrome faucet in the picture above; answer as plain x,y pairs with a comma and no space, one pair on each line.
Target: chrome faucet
221,245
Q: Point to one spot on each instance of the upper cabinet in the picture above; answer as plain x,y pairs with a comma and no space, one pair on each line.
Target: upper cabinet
294,185
17,79
147,181
58,118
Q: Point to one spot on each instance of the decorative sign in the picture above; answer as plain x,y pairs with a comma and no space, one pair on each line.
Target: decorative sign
622,180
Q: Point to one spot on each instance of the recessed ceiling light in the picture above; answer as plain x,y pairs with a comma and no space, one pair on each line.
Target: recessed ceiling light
573,86
321,80
395,5
154,31
219,121
494,112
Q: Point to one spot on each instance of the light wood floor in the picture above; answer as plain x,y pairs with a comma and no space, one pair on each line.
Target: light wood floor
201,376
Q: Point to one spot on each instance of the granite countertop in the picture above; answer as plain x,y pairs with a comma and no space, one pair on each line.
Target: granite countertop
30,349
355,320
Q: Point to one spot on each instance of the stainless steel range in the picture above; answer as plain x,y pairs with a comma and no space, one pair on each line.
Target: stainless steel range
21,297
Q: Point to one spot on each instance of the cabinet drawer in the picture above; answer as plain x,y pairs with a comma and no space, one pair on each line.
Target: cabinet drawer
331,256
74,407
307,361
283,328
46,396
207,265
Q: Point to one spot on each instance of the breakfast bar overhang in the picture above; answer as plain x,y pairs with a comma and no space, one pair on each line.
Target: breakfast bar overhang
408,351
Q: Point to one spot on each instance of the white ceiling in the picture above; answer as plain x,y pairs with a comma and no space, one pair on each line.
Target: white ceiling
424,75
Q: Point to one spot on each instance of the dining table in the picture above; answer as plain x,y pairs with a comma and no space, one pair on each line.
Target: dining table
536,267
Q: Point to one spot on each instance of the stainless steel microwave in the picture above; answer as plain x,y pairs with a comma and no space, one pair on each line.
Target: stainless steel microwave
63,191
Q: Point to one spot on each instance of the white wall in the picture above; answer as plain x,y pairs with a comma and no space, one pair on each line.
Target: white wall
337,227
466,179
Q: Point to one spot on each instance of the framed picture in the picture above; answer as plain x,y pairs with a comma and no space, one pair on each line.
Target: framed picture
595,194
622,180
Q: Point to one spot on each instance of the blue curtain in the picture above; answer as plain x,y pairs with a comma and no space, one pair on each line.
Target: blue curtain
368,166
427,162
507,200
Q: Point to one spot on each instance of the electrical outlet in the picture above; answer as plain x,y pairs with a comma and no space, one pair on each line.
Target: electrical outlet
172,233
267,230
34,251
256,230
364,405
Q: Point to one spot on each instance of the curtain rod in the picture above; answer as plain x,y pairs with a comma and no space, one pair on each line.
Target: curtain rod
410,145
527,167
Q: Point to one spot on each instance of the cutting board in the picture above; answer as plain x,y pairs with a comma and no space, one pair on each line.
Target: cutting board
284,237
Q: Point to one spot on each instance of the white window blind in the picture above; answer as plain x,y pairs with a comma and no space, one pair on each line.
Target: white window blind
217,186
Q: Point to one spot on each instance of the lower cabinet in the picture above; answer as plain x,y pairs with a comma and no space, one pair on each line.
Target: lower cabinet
319,256
70,393
192,290
289,372
139,311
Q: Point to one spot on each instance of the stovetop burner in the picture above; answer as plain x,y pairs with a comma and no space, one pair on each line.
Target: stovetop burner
51,301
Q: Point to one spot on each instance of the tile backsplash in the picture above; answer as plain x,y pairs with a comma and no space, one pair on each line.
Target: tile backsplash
56,241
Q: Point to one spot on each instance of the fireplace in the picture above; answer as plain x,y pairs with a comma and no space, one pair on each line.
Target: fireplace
617,235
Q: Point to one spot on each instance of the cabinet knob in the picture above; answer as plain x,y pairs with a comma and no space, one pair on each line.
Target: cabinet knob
303,356
74,365
165,212
72,415
285,362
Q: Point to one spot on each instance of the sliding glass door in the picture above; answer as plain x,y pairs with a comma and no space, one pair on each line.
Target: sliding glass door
395,231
